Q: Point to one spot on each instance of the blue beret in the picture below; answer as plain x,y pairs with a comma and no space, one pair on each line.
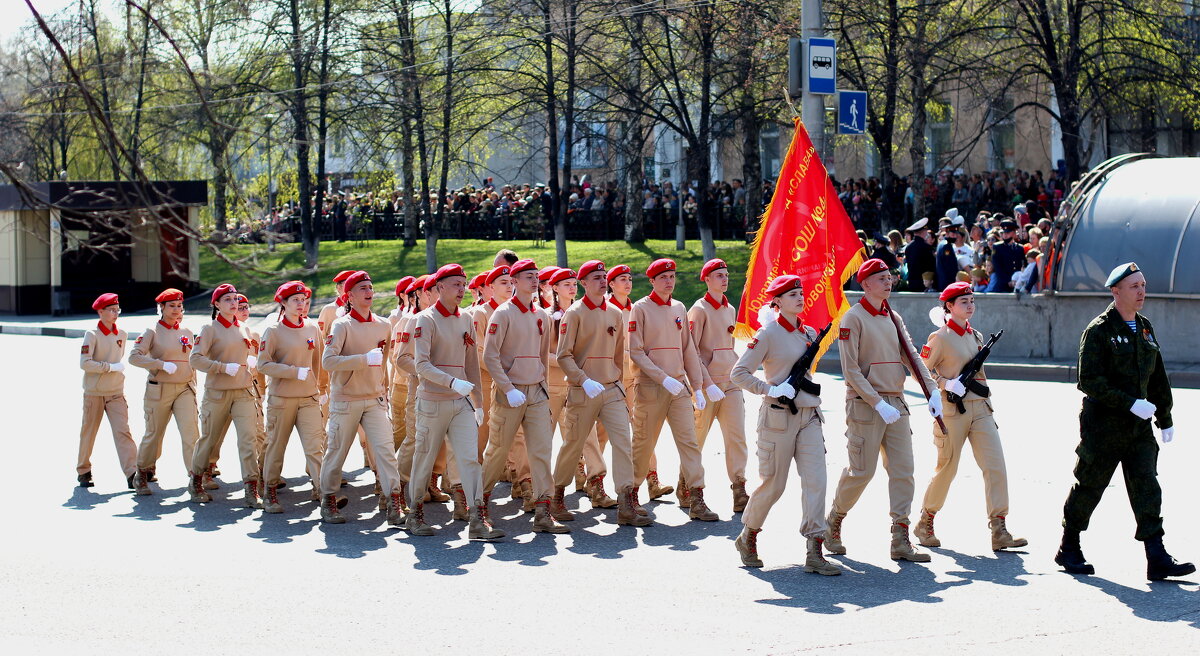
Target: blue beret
1120,273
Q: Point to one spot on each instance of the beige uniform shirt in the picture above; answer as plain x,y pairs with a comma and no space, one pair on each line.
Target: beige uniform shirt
162,343
481,316
102,347
591,343
220,343
516,345
869,349
776,347
404,369
660,343
345,357
329,313
284,349
948,350
712,323
627,368
444,349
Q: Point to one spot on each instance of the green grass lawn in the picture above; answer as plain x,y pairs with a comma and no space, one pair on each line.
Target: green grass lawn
388,261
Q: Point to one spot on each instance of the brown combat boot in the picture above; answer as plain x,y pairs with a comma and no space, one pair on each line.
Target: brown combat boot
627,514
654,488
637,505
902,549
395,509
415,522
196,489
480,527
1001,538
747,546
527,493
558,505
271,501
141,482
329,510
210,473
833,534
815,562
543,522
580,477
740,498
697,509
924,530
682,493
435,493
596,494
460,503
252,499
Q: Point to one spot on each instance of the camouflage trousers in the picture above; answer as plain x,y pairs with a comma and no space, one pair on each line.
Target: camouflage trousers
1108,439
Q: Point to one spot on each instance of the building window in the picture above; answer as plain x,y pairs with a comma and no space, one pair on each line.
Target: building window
1002,136
768,151
940,115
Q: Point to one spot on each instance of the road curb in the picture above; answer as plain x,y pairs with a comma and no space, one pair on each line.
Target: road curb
43,331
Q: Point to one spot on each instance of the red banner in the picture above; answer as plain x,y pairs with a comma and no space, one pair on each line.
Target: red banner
805,231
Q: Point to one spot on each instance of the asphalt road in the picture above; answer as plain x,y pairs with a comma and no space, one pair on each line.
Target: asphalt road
103,571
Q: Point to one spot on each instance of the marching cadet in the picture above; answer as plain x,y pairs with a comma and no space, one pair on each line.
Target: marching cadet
784,438
448,366
495,288
473,289
946,352
401,300
591,352
1125,385
170,388
876,353
404,369
260,383
545,295
662,352
104,391
516,349
355,354
444,466
712,319
290,354
223,352
564,286
332,310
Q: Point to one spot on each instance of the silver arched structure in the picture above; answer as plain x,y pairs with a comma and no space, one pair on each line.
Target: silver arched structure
1138,208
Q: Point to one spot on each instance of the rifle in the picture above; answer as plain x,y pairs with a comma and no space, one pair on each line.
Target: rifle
970,369
796,377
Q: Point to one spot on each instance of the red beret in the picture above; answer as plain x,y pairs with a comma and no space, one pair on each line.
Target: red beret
591,266
170,294
660,266
870,268
427,282
545,274
221,290
355,278
492,276
291,288
341,277
242,299
618,270
403,284
954,290
418,283
522,265
477,281
712,265
105,300
449,271
561,275
783,284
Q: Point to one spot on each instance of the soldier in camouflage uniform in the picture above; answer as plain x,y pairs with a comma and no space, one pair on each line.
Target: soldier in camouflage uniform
1121,373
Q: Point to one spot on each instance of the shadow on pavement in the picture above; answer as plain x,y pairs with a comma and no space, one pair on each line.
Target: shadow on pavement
158,505
82,498
1004,568
861,585
1165,601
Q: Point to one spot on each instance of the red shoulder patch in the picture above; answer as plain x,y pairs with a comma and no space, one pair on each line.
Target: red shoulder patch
328,340
844,334
417,333
633,326
492,329
262,346
138,340
692,326
562,330
753,343
925,351
404,338
85,349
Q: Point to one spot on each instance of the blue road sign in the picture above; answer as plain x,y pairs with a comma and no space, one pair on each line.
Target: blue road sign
822,66
852,112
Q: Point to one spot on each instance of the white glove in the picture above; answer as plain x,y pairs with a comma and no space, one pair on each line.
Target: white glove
714,393
1168,434
935,405
251,361
116,366
461,386
592,388
782,391
516,398
699,400
302,373
231,368
558,314
478,416
1143,408
374,357
887,412
955,386
323,399
169,367
673,386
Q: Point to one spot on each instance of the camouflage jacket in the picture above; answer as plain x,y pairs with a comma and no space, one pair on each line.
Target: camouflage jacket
1117,367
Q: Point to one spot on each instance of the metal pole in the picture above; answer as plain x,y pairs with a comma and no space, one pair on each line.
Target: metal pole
812,105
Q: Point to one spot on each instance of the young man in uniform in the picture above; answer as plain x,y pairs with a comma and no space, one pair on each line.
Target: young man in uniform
104,391
330,313
712,318
170,388
591,353
516,345
1121,373
496,287
876,355
663,352
449,402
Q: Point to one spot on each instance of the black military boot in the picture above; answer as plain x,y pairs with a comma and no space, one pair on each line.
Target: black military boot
85,479
1160,564
1070,554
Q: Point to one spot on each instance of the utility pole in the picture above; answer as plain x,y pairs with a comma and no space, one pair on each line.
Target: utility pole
812,112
